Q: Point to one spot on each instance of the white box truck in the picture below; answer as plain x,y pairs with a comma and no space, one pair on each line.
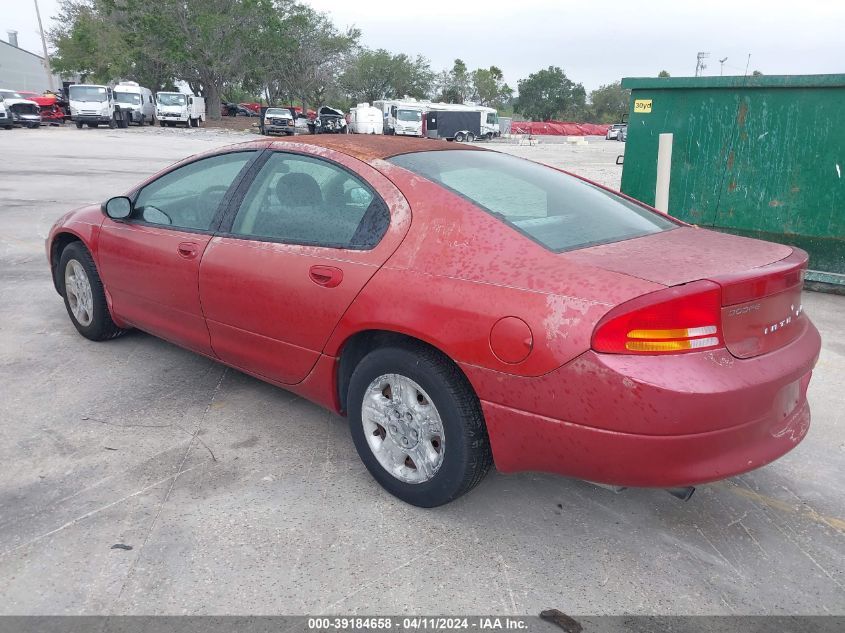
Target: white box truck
402,117
137,100
92,105
174,108
366,119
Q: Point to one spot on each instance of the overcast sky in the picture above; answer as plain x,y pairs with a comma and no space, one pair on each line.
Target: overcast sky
594,42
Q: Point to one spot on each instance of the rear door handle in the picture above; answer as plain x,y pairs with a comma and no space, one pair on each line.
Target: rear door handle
188,250
326,276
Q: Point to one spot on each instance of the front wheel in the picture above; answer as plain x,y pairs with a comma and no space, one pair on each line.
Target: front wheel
417,425
85,298
79,125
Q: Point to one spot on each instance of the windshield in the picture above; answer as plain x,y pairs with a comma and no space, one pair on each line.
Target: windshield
278,112
11,94
409,115
170,99
87,93
128,97
559,211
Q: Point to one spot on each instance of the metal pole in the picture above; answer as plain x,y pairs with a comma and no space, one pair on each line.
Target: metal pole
664,169
44,45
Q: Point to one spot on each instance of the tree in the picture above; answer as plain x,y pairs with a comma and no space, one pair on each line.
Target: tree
310,69
454,85
663,73
92,41
608,103
756,73
372,75
549,93
489,87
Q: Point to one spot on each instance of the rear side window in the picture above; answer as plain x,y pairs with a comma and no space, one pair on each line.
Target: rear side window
303,200
558,211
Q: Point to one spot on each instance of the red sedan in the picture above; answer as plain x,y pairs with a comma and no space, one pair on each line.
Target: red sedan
460,307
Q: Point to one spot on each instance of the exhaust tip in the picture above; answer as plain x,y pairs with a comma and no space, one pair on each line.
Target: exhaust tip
681,493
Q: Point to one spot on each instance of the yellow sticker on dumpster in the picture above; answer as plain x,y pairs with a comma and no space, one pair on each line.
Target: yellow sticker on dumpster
642,106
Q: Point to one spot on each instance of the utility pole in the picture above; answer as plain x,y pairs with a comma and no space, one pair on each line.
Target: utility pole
46,54
722,66
699,63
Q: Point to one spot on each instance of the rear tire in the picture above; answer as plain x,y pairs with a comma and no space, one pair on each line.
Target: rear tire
439,449
85,299
459,137
470,137
79,125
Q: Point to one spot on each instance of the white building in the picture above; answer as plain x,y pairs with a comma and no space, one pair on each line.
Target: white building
22,70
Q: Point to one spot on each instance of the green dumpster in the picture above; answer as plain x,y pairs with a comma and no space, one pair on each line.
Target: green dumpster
757,156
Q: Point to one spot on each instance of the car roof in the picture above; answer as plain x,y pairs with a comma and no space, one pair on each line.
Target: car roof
372,147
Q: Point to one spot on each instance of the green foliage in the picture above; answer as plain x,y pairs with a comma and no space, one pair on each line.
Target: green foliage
277,46
372,75
663,73
489,87
454,86
549,94
608,103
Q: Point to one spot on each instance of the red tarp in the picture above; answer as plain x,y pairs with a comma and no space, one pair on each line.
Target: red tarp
558,128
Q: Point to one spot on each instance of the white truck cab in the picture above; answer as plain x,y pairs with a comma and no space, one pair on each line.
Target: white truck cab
137,100
173,108
91,105
404,118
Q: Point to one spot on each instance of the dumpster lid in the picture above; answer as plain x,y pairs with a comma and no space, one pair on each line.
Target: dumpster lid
736,81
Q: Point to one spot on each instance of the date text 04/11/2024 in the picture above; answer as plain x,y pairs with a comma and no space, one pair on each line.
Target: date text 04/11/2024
416,623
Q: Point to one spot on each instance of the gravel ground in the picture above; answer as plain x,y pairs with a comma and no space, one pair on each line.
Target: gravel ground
238,498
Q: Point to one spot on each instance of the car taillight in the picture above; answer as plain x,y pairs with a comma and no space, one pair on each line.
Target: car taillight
676,320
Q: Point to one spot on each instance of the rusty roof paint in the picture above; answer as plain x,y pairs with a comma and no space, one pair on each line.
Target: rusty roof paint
371,147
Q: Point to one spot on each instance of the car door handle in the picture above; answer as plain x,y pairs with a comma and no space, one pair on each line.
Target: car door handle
188,250
327,276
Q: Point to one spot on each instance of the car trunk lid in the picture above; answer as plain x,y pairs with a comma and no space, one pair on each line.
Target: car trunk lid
761,282
761,307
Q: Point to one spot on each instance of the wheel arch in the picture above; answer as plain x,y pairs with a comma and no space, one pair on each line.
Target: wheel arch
58,244
358,345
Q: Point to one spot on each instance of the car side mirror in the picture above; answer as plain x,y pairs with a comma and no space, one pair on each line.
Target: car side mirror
118,208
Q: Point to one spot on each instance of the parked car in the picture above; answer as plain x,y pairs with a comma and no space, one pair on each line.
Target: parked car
49,105
525,317
613,131
5,116
21,111
279,121
328,121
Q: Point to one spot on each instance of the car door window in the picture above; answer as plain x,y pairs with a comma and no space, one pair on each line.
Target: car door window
188,197
303,200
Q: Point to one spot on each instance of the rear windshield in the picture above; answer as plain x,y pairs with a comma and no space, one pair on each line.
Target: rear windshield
558,211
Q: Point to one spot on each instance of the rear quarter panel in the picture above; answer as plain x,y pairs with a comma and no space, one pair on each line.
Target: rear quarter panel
459,270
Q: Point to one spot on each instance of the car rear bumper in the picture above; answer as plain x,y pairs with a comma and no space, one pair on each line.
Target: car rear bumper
645,421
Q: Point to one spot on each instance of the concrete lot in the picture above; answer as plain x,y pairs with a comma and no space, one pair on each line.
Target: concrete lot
268,510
